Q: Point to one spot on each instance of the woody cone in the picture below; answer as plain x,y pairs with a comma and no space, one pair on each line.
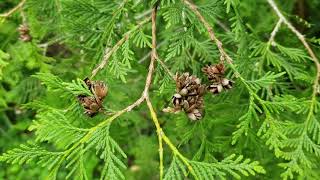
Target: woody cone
189,96
215,74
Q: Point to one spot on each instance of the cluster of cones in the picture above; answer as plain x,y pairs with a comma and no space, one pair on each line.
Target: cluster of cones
93,104
189,96
215,74
189,91
24,33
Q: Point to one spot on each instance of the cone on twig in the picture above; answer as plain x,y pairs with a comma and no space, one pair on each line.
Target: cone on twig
215,74
93,104
189,96
24,33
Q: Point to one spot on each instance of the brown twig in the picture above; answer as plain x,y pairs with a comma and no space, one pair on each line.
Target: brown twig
145,93
147,56
13,10
165,67
160,133
304,42
109,52
145,97
154,57
213,37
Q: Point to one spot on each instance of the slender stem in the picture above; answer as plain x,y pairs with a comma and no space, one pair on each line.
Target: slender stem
224,55
149,53
144,97
162,136
310,51
159,134
128,108
13,10
177,153
222,25
151,69
274,32
109,52
165,67
212,35
304,42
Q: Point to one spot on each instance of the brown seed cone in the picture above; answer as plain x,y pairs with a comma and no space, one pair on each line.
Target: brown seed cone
195,115
177,101
99,89
215,88
90,105
226,83
23,28
88,82
24,33
25,38
93,104
214,72
189,96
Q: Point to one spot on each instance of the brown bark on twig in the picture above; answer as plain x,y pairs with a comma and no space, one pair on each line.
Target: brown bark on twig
304,42
13,10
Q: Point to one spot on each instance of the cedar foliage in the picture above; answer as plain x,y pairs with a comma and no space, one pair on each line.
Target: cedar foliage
266,127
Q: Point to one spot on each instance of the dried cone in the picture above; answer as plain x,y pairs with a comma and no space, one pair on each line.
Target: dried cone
189,96
24,33
215,88
215,74
90,105
177,102
226,83
100,90
93,104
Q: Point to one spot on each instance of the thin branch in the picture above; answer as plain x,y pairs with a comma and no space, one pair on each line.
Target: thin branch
148,54
144,97
143,14
316,80
154,56
149,75
159,61
144,93
304,42
274,32
224,55
163,137
213,37
13,10
109,52
165,67
159,134
222,25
